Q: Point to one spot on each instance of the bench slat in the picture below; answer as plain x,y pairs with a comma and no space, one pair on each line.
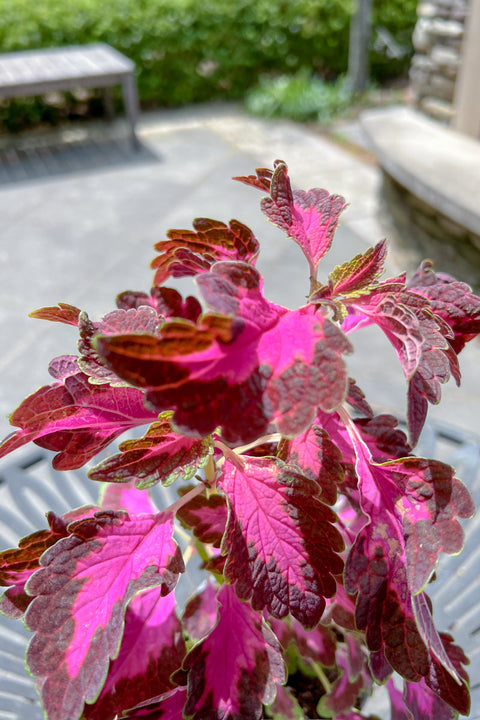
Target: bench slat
45,66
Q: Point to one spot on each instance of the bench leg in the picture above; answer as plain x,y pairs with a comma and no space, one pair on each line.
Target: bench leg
108,103
130,99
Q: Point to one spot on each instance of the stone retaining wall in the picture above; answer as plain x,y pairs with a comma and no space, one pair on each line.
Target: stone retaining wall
437,40
453,248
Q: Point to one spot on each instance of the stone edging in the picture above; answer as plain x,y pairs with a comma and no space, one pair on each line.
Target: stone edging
431,183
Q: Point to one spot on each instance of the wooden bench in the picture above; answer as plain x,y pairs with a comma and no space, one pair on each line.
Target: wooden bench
35,72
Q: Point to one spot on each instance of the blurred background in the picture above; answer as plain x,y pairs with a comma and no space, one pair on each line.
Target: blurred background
377,100
282,57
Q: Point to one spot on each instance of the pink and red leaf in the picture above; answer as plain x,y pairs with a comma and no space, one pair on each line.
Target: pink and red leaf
168,706
63,313
161,455
81,593
18,565
261,180
76,419
411,522
281,545
207,517
125,496
236,668
152,649
309,218
347,688
200,614
423,700
166,301
313,646
360,274
191,252
420,339
451,300
319,459
285,706
144,320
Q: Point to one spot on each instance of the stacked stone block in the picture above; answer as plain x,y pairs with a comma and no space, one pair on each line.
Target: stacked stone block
437,40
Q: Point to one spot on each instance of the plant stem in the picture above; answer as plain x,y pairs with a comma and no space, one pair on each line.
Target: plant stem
187,554
210,471
283,448
186,498
228,453
350,426
358,443
234,454
322,677
345,417
274,437
202,551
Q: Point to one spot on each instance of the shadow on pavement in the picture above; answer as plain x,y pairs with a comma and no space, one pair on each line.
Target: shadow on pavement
39,157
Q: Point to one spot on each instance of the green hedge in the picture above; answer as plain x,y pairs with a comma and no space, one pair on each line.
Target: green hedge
190,51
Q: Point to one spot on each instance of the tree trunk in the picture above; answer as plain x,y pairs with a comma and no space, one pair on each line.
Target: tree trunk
360,30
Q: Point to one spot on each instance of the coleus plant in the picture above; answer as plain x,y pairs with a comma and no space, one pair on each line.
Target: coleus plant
318,528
